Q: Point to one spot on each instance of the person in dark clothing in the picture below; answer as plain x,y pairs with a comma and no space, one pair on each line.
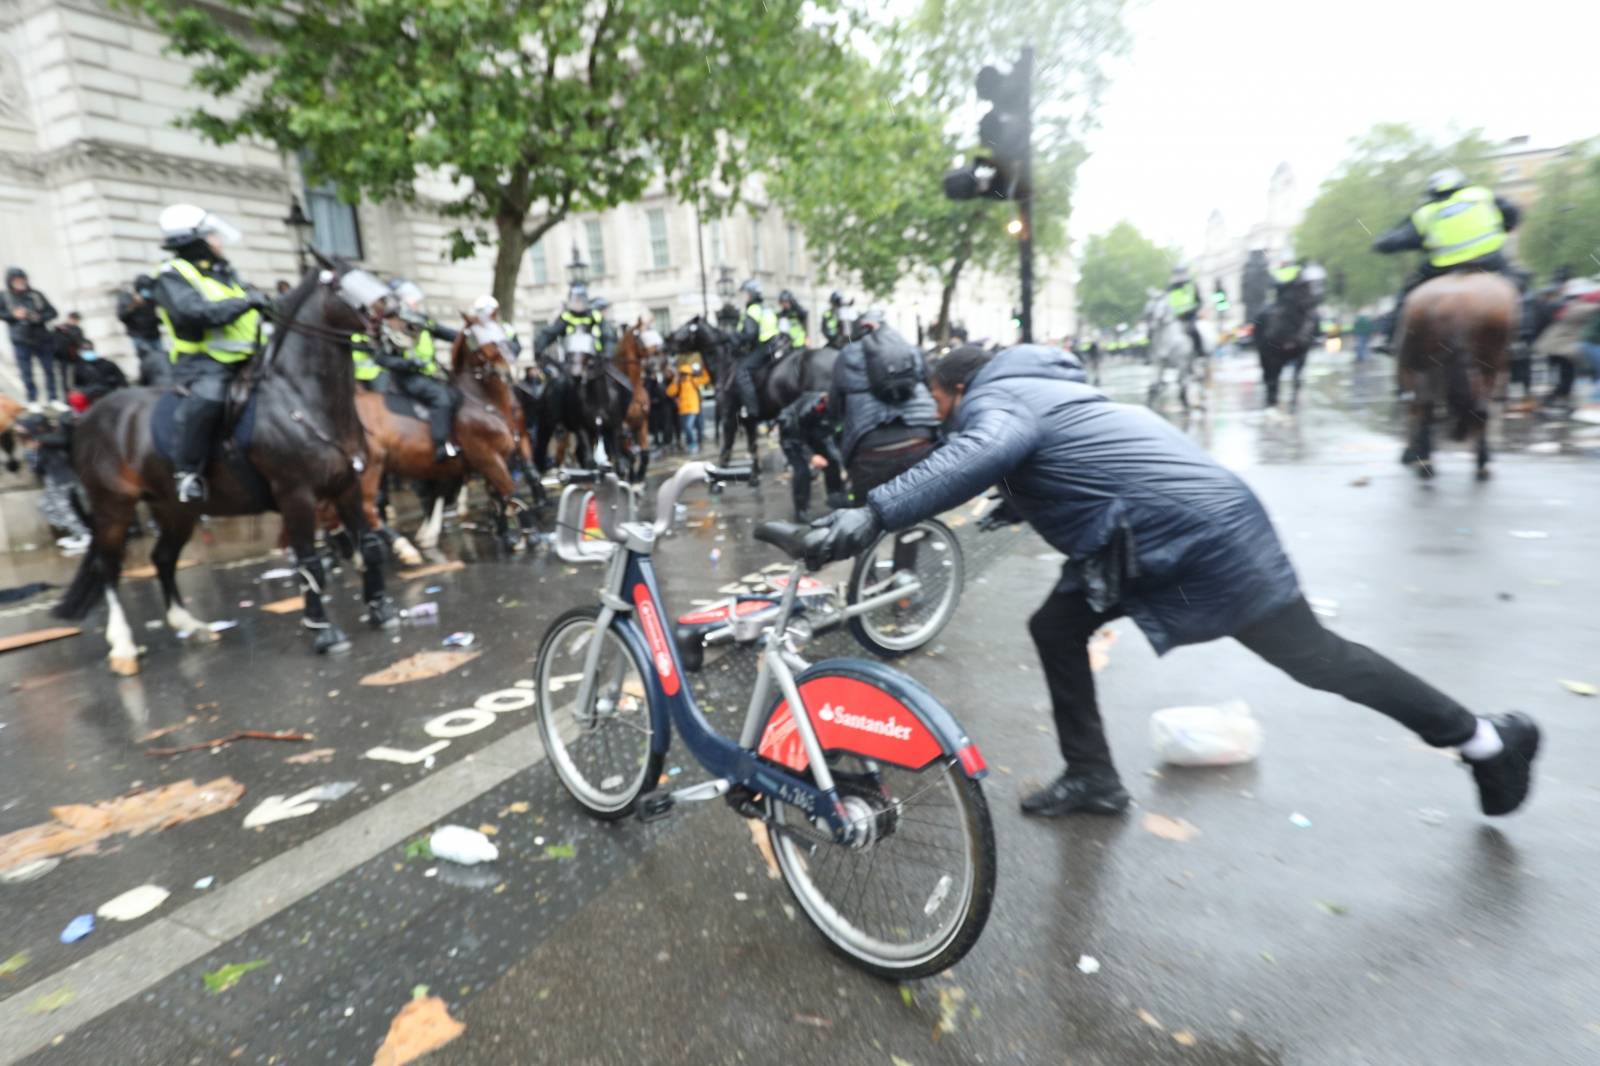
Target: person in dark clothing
136,310
408,352
94,377
835,329
51,460
1156,530
215,323
880,437
756,340
792,319
806,435
28,314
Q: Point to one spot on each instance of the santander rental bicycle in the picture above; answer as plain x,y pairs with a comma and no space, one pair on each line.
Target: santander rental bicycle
868,787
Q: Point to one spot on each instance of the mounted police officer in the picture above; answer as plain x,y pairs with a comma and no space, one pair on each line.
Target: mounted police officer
608,331
1462,227
577,316
792,317
835,329
487,309
758,332
409,353
215,324
1183,300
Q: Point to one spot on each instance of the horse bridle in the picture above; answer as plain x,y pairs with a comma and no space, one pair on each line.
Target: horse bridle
360,303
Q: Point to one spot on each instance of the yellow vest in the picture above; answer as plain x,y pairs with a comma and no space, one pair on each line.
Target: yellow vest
1464,227
366,369
1286,275
232,343
422,354
1183,299
766,321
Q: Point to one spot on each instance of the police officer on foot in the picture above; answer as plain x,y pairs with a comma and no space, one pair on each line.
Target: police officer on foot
1156,530
215,324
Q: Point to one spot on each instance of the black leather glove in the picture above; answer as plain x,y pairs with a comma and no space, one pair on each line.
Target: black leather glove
260,301
1004,515
841,535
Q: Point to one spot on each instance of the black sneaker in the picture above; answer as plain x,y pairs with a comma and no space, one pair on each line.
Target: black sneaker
1504,780
1090,793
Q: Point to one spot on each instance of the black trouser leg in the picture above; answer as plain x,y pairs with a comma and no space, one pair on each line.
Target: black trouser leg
206,382
1295,642
1061,630
800,468
435,395
1566,373
745,384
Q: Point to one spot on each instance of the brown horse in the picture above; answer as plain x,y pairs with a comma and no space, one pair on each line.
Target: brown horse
626,430
9,411
487,427
1454,344
306,446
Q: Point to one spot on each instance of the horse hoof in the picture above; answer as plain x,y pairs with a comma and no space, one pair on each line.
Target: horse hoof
1483,473
204,635
331,641
1409,457
381,614
124,665
408,555
1425,470
516,545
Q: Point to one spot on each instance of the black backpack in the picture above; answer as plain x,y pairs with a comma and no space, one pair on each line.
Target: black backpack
894,367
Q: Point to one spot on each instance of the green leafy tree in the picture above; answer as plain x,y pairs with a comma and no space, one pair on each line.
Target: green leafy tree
1119,269
1562,228
1377,187
533,111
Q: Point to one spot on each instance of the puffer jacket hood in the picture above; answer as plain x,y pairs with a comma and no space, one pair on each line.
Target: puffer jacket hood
1031,361
13,273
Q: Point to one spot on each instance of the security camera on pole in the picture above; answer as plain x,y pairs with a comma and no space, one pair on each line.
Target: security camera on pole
1006,173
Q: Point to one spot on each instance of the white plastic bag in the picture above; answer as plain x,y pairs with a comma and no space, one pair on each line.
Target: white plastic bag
457,843
1206,736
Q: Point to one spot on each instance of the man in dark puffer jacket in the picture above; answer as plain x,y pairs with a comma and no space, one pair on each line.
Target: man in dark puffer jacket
1156,530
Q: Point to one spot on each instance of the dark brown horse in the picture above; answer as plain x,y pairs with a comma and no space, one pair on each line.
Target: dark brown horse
488,427
9,410
1454,344
306,446
623,417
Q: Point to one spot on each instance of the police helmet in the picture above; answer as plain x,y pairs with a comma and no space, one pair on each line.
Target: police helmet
1446,181
184,224
752,289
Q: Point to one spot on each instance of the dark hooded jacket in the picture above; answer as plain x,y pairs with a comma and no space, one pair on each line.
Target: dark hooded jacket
1197,557
32,330
852,400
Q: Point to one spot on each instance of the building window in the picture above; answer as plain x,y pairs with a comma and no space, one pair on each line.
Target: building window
794,249
335,230
758,257
719,249
597,248
661,319
659,257
541,263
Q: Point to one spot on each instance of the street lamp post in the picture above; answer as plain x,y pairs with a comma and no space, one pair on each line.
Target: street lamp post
577,270
727,314
300,226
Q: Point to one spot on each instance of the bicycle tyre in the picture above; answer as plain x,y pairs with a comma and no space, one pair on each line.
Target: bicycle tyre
870,630
605,803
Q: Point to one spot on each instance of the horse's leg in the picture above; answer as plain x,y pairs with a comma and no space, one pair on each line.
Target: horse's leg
1271,370
487,461
1299,371
727,431
177,526
111,521
428,532
354,506
750,427
642,432
300,522
1422,407
373,481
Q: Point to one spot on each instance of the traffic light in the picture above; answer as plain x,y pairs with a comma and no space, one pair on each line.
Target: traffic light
1004,133
1220,298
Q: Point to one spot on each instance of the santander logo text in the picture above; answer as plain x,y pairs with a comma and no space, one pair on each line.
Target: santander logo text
883,727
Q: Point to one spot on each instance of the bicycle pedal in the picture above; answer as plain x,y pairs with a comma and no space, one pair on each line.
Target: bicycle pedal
654,806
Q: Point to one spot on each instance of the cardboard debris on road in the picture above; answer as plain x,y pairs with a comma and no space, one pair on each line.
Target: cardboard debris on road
37,636
433,568
287,605
78,828
316,755
421,666
222,742
132,904
1169,828
421,1026
1580,688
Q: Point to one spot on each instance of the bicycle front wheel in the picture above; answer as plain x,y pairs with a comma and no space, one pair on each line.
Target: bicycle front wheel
601,752
914,577
911,895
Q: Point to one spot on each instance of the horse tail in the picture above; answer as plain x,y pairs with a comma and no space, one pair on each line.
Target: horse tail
88,584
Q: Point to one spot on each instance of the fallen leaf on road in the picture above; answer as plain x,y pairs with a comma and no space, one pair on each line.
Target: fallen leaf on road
1150,1020
1169,828
896,1060
314,756
419,849
488,830
433,568
758,834
423,1025
559,851
518,807
13,964
52,1001
1338,910
1581,688
1184,1038
419,667
220,980
816,1021
906,995
134,903
78,828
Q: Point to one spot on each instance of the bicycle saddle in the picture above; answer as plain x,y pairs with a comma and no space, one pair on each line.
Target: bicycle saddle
788,537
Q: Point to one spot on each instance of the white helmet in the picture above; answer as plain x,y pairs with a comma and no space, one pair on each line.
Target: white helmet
183,224
485,305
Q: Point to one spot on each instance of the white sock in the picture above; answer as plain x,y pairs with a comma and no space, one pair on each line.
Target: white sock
1485,743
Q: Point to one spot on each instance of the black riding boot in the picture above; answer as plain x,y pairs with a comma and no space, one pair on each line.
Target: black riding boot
197,420
440,420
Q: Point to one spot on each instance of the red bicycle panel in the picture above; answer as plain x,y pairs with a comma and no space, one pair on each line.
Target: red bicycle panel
719,613
656,637
851,715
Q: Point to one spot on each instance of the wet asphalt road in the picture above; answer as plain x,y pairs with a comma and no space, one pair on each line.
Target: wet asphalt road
1398,927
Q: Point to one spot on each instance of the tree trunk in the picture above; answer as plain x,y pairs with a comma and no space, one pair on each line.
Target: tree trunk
947,297
507,263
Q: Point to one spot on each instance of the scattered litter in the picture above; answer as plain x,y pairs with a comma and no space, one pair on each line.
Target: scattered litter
277,573
247,603
432,871
1504,597
459,640
516,807
1299,820
51,1002
1530,534
432,569
224,978
741,897
1088,964
674,771
538,842
1580,688
77,929
1361,482
458,844
488,830
205,883
77,828
1206,736
418,667
222,742
428,609
716,556
1184,1038
421,1026
1545,447
280,808
13,964
758,834
1169,828
816,1021
1338,910
1431,816
559,851
1151,1020
1323,608
287,605
222,625
433,590
134,903
316,755
28,871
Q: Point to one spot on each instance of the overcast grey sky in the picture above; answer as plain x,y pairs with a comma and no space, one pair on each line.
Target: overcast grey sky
1215,93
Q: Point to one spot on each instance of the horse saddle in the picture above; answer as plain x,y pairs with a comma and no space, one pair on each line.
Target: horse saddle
403,406
238,429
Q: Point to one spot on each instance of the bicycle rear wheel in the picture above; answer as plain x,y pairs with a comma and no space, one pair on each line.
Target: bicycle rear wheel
925,563
911,897
601,752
